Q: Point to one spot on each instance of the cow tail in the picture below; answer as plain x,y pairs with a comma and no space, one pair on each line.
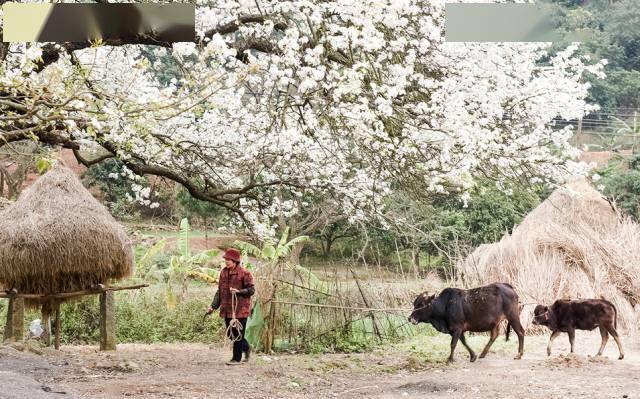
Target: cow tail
506,338
615,317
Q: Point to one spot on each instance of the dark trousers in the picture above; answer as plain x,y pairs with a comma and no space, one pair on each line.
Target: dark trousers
238,346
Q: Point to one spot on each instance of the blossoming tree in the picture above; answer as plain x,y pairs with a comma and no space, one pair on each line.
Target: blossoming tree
340,99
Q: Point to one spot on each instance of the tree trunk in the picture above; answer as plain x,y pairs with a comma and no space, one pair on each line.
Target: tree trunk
206,231
328,243
9,188
4,50
294,257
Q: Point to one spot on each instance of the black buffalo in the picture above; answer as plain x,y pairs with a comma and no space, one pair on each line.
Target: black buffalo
456,311
569,316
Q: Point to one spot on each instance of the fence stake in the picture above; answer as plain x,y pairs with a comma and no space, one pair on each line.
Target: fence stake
364,299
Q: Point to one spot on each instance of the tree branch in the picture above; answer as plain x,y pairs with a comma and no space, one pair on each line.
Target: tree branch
89,163
233,26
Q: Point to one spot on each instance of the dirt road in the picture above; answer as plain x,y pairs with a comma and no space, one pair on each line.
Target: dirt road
411,370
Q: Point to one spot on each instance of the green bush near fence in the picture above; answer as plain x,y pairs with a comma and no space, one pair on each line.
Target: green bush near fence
141,318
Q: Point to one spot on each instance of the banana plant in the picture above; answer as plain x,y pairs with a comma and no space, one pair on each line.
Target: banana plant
633,127
273,253
147,266
183,266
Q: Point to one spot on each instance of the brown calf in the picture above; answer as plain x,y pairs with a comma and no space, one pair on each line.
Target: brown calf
569,316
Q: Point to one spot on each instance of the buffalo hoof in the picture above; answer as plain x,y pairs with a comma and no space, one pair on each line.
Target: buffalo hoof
621,357
518,357
473,358
450,361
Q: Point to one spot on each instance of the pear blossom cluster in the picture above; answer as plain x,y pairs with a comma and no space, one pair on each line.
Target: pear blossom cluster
349,99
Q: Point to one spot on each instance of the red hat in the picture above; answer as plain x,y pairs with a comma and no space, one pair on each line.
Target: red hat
233,254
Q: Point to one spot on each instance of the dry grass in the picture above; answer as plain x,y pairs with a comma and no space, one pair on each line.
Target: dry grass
57,238
338,294
574,245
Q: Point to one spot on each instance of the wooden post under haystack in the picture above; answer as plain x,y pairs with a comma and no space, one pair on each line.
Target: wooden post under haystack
107,322
14,327
46,323
8,325
58,332
51,305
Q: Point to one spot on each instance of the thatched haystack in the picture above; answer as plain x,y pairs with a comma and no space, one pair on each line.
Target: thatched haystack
573,245
57,238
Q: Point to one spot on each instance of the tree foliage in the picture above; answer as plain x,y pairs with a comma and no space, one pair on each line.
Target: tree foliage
613,34
345,100
106,177
620,182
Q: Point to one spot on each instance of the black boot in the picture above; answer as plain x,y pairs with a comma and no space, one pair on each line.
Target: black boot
247,354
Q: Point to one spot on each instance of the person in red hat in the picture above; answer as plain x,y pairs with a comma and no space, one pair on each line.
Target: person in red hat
234,309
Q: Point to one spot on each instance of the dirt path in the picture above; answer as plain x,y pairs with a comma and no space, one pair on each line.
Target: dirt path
198,371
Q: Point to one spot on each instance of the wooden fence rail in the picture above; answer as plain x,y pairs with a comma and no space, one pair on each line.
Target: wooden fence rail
98,290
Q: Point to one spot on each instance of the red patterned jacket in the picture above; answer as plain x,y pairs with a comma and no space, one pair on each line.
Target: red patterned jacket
242,280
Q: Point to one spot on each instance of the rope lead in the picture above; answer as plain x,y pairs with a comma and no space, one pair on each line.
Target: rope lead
234,330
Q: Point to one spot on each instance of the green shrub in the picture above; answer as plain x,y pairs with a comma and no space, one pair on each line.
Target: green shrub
141,318
620,182
80,321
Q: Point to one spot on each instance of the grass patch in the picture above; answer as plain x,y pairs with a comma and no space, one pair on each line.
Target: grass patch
436,348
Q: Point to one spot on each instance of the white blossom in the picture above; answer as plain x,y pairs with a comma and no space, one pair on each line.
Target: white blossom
357,95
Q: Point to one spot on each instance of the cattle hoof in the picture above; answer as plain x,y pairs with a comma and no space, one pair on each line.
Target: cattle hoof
473,358
518,357
621,357
449,361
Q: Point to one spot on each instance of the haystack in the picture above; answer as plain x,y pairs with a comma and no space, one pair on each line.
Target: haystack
57,238
573,245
